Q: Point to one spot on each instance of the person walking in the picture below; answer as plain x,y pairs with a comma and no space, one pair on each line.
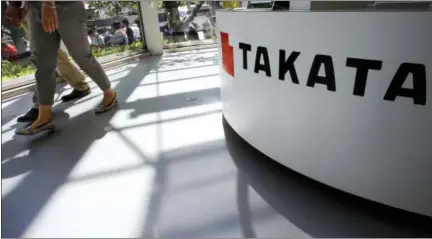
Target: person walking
129,31
71,75
119,36
50,22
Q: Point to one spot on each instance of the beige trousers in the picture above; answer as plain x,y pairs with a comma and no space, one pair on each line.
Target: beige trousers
70,72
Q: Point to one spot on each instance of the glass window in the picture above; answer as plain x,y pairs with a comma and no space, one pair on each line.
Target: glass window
114,24
260,4
15,50
188,22
281,5
113,27
162,16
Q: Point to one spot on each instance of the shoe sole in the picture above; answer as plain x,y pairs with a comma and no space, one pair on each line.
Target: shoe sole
27,121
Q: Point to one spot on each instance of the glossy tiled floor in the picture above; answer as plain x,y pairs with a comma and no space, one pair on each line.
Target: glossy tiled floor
161,166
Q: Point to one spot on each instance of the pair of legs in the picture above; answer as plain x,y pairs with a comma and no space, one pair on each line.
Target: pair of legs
72,29
65,67
72,76
70,73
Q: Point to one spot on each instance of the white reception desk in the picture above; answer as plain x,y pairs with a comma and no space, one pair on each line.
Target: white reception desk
341,97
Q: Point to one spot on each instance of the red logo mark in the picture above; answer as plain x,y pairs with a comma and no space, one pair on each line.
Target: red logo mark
227,54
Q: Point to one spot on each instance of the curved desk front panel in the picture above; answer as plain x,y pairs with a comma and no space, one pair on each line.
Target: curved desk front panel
341,97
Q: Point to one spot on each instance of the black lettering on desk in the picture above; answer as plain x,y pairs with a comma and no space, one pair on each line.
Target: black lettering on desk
328,79
261,52
418,92
363,66
245,48
288,65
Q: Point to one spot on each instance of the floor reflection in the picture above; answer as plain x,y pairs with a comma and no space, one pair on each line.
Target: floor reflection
314,208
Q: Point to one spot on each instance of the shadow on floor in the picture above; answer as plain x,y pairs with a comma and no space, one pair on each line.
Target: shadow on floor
57,154
318,210
48,161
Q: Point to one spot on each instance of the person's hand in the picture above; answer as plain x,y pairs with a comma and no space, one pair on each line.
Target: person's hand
49,17
15,15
